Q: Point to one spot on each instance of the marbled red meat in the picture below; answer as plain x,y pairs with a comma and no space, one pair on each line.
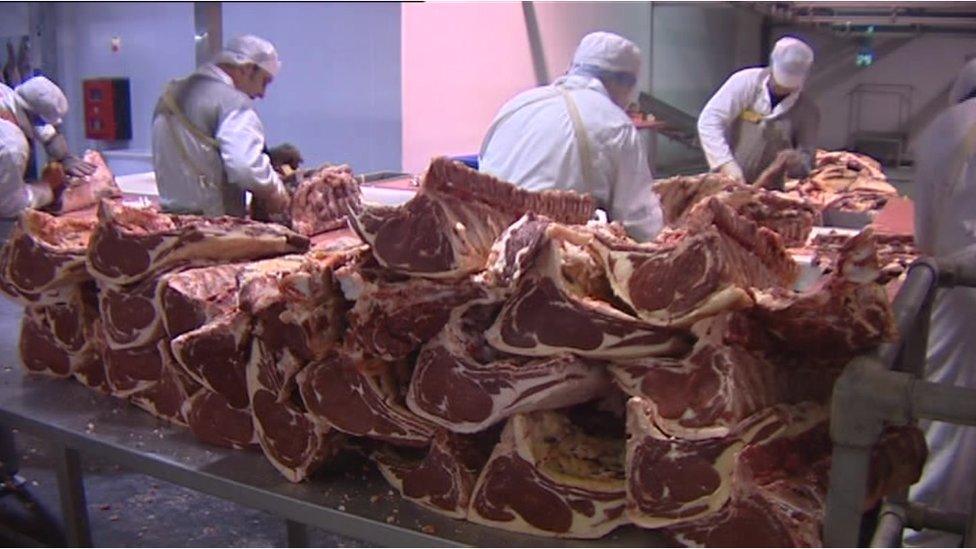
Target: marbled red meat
447,229
131,244
464,385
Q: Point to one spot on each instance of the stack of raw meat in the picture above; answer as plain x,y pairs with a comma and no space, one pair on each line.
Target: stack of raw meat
498,357
78,193
320,200
841,180
896,252
787,215
845,181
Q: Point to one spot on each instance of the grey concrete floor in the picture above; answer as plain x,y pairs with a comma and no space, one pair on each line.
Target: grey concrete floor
128,509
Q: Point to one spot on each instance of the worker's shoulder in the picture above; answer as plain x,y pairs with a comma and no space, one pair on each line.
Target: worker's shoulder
750,76
599,110
523,98
214,91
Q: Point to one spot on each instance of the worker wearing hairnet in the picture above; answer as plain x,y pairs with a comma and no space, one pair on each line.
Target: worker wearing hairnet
760,112
208,142
945,222
575,135
32,110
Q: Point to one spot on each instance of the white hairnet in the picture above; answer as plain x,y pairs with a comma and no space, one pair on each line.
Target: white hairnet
608,51
791,61
242,50
44,98
964,85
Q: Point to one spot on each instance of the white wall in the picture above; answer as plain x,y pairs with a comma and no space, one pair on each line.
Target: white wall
337,97
157,46
463,61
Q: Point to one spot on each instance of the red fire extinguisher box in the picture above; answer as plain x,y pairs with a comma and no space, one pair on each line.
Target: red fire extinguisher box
108,115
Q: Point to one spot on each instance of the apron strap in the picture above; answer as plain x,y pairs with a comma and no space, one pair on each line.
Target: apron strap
174,113
582,137
579,133
174,109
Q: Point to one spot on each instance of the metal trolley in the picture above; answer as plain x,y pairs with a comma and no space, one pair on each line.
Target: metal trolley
887,386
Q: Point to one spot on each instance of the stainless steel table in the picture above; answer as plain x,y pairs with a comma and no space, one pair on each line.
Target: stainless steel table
355,503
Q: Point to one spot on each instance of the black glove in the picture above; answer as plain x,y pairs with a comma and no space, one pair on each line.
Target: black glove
797,164
285,154
77,167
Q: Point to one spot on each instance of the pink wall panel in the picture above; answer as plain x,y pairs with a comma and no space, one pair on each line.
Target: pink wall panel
460,62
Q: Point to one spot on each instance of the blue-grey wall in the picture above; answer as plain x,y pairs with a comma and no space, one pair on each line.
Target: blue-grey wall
156,46
337,97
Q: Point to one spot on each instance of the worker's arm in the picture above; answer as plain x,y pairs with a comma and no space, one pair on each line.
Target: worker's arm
634,203
15,194
241,139
57,148
722,109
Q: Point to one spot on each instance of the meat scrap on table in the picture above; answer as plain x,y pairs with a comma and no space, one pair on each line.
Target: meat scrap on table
499,357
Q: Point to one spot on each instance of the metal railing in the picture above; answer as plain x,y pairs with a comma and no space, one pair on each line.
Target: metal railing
887,386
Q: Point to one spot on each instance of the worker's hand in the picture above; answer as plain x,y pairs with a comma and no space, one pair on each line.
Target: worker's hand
732,169
277,202
796,163
285,154
77,167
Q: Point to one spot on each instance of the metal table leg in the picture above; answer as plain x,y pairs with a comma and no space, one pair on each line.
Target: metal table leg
9,459
297,533
71,488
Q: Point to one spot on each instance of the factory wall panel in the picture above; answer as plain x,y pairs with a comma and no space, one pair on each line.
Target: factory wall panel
337,97
928,63
156,46
695,49
463,61
14,22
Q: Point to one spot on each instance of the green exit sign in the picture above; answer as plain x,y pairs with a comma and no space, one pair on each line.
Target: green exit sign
864,59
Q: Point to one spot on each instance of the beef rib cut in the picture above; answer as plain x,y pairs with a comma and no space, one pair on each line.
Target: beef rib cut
447,229
548,477
131,244
463,384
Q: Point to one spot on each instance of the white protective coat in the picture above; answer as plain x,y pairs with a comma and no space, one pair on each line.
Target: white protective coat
240,160
533,145
945,221
15,194
748,90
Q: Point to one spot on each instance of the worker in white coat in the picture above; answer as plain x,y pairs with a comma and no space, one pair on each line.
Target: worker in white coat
760,112
575,135
945,222
32,110
208,142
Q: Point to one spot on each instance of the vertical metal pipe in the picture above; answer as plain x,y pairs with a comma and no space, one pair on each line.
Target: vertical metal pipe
535,44
9,458
71,488
915,352
209,28
845,497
